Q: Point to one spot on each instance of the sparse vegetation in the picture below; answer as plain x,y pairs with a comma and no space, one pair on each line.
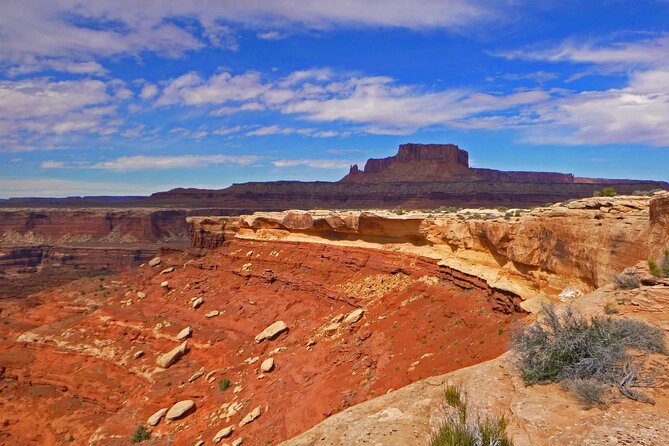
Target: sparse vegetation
588,357
400,211
141,434
606,192
661,269
224,384
462,429
626,281
610,308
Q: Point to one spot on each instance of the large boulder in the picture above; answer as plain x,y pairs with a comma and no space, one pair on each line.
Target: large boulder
168,359
180,409
272,331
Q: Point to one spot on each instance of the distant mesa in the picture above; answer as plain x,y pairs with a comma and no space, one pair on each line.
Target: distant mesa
418,163
419,176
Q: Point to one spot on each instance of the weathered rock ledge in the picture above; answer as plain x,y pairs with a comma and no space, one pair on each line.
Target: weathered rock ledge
578,244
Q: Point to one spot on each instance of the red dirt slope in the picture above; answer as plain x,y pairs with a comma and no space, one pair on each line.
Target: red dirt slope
67,354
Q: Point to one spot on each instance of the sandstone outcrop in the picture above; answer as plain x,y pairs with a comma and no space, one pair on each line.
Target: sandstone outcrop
577,244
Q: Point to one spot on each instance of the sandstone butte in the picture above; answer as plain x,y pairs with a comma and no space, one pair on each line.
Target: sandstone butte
439,293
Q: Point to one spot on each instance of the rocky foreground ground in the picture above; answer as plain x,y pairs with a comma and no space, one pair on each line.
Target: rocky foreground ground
330,328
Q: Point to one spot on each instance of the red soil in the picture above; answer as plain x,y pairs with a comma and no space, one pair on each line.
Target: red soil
77,378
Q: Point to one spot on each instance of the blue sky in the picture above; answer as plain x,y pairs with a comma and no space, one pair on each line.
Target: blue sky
126,97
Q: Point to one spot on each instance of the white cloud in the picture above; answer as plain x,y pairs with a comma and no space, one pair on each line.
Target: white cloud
248,106
223,131
148,91
129,163
83,31
53,187
378,103
271,35
42,106
635,114
646,52
64,66
191,89
52,165
277,130
314,163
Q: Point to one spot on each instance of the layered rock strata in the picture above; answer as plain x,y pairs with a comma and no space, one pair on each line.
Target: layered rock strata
578,244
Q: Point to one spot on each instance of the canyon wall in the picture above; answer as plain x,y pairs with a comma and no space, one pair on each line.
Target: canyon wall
40,248
579,244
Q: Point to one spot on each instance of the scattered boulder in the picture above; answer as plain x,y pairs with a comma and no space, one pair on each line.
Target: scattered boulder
167,270
155,261
213,313
237,442
180,409
354,316
165,284
168,359
141,294
185,334
199,443
255,413
234,408
197,302
331,329
138,354
223,433
267,365
246,266
272,331
195,376
156,417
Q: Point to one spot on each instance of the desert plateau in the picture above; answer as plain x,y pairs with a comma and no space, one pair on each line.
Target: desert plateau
334,223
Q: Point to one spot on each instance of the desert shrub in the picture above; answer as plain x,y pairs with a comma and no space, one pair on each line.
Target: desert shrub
400,211
664,263
576,352
610,308
626,281
224,384
141,434
461,429
606,192
660,269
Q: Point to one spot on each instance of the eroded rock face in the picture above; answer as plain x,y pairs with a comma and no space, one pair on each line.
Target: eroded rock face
578,244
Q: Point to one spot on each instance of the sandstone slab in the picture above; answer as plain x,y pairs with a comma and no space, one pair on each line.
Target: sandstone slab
272,331
180,409
156,417
168,359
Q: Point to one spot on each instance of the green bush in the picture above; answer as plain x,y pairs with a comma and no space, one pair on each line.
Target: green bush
460,429
579,353
224,384
141,434
661,269
606,192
